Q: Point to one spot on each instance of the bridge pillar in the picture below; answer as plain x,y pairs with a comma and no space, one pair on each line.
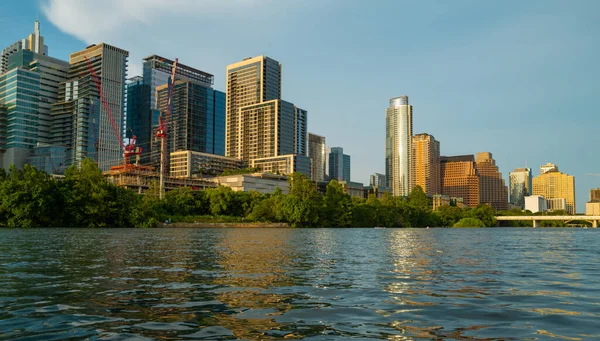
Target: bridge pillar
536,223
595,223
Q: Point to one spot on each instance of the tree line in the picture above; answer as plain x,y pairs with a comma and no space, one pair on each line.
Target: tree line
84,198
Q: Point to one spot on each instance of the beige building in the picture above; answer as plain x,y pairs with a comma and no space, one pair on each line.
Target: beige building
557,204
398,146
260,182
441,200
492,189
595,194
554,184
548,167
592,208
283,164
188,164
426,163
460,178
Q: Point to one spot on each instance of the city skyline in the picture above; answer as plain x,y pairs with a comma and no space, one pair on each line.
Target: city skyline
480,115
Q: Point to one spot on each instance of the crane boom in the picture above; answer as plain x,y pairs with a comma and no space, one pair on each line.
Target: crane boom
592,174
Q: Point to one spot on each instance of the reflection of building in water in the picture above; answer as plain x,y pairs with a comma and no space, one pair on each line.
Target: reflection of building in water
252,262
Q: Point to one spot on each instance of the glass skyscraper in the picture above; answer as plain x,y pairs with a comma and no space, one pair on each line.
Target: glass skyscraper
520,186
339,165
318,157
398,146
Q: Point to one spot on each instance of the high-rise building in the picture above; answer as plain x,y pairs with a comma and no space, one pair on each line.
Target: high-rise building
378,180
460,178
548,167
253,91
34,43
492,189
300,131
398,146
426,163
520,186
318,157
80,121
554,184
339,165
595,194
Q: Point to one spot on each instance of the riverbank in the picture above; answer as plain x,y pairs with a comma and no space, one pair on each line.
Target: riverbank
225,225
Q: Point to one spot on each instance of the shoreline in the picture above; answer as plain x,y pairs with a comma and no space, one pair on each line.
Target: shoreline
224,225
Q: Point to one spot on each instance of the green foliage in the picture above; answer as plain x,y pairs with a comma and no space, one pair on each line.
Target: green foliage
248,170
301,207
418,198
337,208
469,222
483,212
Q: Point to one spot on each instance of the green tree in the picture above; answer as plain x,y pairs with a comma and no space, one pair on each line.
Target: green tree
449,215
337,206
469,222
483,212
301,206
418,198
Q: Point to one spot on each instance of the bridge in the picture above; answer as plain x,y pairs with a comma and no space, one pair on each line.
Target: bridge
566,218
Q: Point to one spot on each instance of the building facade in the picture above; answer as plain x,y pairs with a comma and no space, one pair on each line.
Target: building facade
536,203
339,165
460,178
318,157
283,164
259,182
520,186
439,200
188,164
81,123
398,146
548,167
554,184
300,131
595,194
378,180
492,189
34,43
426,163
557,204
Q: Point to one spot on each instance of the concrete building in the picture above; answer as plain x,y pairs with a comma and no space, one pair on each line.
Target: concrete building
259,182
300,131
557,204
378,180
553,184
339,164
592,207
34,43
536,203
438,200
520,186
492,189
460,178
548,167
318,157
398,146
283,164
426,164
188,164
595,194
80,122
143,109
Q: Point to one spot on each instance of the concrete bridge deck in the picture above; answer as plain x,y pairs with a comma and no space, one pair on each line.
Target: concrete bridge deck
566,218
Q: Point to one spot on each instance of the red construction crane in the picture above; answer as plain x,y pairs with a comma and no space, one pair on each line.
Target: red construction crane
128,150
161,132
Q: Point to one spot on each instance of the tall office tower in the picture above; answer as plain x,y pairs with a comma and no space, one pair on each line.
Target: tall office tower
555,185
377,180
595,194
460,178
492,189
339,165
80,121
28,88
548,167
426,163
191,125
300,130
256,118
398,146
520,186
318,157
33,43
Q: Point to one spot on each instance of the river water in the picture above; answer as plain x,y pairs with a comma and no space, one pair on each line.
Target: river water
311,284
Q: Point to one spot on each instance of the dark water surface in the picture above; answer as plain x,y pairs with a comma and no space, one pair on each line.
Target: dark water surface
312,284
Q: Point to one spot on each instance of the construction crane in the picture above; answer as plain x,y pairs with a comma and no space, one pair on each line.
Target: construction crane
128,150
161,132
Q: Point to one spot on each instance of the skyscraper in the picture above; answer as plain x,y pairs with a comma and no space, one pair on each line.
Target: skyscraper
253,103
520,186
492,189
378,180
339,165
426,163
318,155
34,43
595,194
553,184
398,146
460,178
300,130
80,121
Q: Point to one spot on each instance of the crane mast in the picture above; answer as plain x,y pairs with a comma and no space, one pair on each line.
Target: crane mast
161,132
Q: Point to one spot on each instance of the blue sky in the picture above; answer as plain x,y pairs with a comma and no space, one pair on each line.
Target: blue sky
516,78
